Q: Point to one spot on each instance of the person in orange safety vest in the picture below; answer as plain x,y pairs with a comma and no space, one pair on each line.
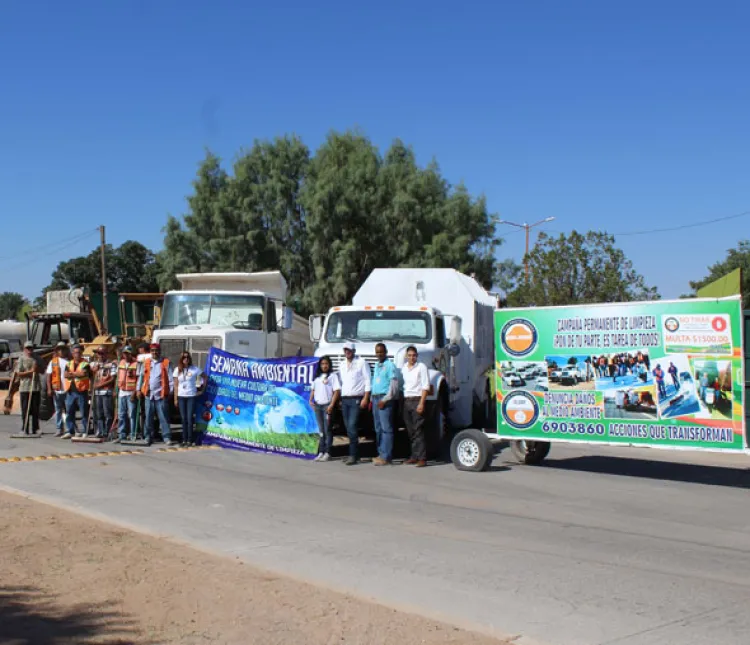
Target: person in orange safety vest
155,389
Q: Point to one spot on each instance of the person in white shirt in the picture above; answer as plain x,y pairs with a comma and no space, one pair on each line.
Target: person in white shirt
324,394
354,384
416,384
56,385
187,389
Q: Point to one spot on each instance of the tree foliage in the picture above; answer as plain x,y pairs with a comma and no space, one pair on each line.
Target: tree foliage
131,267
577,269
11,305
326,220
737,258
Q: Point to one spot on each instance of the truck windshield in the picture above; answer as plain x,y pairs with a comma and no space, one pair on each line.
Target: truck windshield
369,326
241,312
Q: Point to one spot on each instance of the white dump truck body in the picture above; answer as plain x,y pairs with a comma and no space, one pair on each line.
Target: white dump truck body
446,315
242,313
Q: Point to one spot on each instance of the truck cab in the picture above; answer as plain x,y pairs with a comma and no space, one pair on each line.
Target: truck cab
241,313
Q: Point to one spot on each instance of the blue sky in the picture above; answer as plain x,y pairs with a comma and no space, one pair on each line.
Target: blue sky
617,116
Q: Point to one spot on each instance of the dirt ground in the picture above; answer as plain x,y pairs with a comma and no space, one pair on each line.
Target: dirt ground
69,580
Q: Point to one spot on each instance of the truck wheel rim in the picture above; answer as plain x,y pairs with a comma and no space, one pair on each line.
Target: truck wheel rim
468,452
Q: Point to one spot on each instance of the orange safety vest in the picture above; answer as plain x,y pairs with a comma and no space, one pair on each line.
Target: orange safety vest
127,376
56,376
164,377
82,383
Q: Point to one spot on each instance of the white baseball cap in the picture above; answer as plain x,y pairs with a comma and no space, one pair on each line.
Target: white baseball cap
350,346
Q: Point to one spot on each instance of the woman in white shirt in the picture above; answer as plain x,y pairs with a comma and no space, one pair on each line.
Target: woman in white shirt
324,393
187,389
416,383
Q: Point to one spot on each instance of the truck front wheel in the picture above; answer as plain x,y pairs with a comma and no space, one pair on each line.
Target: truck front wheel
437,431
531,453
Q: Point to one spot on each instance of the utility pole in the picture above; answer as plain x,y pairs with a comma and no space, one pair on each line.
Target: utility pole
105,316
527,228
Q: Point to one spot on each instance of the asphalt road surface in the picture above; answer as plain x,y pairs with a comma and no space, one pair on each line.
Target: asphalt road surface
626,547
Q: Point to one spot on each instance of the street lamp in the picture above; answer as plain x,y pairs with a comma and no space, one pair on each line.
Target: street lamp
527,228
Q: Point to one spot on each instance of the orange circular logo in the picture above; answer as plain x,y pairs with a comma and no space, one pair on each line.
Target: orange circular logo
520,410
518,337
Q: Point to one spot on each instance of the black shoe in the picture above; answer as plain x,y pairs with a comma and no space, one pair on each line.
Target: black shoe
351,461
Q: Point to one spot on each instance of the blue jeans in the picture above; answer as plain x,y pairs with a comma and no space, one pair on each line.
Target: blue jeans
324,429
59,400
157,407
383,428
187,409
126,417
350,410
104,410
77,401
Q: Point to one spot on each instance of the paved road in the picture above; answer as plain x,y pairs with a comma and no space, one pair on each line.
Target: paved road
600,548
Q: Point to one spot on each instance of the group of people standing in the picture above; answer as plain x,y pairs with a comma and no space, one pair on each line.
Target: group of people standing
620,365
138,386
355,389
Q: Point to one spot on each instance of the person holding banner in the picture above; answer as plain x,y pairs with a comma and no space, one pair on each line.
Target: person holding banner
354,383
323,396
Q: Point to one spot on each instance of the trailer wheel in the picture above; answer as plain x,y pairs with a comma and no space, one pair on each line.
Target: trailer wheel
531,453
471,450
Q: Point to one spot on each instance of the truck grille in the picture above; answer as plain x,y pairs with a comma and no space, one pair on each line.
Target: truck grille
171,348
371,359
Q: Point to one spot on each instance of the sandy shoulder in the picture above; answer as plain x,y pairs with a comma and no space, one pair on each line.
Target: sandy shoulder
66,579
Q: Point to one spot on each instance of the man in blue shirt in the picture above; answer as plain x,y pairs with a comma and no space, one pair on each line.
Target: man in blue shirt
384,388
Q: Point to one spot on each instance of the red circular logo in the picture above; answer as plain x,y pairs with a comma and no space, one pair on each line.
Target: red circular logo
719,324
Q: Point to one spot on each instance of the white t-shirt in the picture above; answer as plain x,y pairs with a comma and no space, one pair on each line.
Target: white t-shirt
354,378
323,388
187,380
416,379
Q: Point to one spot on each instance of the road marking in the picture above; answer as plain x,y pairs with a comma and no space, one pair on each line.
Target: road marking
103,453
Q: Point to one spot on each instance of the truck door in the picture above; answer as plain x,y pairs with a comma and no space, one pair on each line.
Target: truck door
272,331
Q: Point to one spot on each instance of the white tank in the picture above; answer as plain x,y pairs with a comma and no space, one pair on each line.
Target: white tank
13,330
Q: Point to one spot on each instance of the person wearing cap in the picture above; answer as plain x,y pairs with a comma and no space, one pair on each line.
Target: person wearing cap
127,388
28,371
56,384
354,382
156,387
77,387
105,373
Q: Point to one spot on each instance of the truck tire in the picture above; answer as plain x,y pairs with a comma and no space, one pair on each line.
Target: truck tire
531,453
46,404
471,450
438,432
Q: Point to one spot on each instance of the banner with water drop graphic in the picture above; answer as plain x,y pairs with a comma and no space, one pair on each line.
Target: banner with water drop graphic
259,404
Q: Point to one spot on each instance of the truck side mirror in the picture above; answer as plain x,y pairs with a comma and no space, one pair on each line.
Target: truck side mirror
455,334
316,327
287,318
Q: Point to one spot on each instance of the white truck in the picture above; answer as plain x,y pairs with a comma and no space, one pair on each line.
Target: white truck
242,313
446,315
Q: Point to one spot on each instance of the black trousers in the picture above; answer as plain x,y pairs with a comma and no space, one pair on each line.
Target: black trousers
33,398
415,427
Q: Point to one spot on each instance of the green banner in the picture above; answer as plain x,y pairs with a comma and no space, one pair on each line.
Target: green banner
661,373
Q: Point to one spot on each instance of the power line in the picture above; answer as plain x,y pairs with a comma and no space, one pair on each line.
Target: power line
35,260
64,242
683,226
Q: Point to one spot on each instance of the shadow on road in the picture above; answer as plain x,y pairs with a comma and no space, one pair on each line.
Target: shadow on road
628,467
29,616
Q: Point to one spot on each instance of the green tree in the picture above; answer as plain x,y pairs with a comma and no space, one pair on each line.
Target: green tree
11,305
131,267
326,221
737,258
577,269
